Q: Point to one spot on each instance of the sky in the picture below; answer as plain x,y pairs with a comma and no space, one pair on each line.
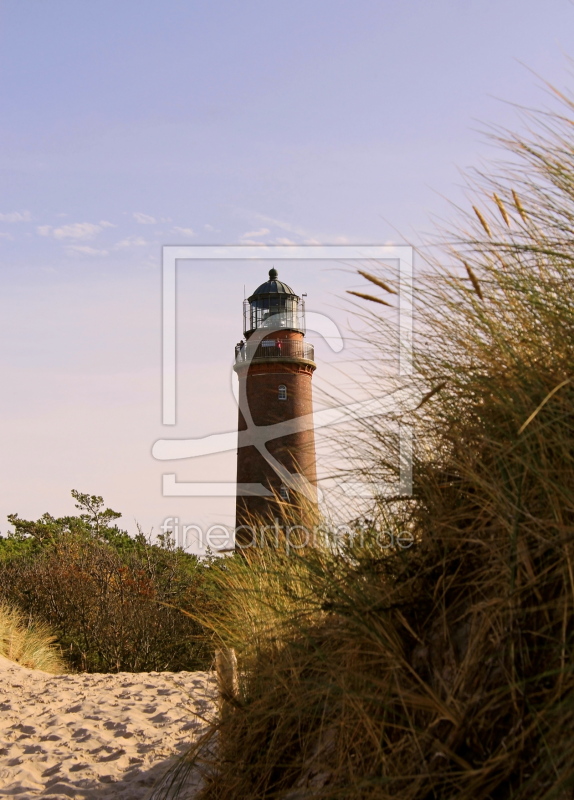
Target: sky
128,126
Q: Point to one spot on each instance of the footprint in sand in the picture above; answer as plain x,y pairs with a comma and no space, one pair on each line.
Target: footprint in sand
72,749
52,771
26,730
112,756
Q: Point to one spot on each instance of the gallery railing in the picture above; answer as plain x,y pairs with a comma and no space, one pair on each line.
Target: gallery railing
271,348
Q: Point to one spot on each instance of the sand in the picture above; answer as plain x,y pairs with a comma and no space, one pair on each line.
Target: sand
96,737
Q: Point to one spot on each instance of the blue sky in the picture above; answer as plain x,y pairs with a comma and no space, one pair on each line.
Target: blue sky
126,126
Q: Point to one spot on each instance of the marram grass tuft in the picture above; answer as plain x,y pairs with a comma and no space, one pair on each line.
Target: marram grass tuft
27,643
445,670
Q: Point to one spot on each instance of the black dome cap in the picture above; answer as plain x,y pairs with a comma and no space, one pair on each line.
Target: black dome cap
273,286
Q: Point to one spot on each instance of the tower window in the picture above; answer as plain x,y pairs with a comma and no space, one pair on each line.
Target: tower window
283,492
282,395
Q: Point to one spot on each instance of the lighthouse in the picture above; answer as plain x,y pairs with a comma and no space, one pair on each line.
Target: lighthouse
276,466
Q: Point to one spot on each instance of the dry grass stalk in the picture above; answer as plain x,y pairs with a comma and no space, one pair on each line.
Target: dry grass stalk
482,221
473,280
29,644
501,208
377,281
370,297
519,207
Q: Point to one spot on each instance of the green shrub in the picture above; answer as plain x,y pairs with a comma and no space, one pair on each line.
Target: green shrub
116,603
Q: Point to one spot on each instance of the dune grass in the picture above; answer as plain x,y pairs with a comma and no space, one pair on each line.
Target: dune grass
30,644
445,669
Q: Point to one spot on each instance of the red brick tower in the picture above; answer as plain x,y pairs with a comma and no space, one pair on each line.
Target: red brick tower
276,442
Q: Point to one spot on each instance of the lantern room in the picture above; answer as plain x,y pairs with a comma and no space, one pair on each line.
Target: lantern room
273,305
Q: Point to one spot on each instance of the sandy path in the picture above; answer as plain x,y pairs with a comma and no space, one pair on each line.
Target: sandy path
95,737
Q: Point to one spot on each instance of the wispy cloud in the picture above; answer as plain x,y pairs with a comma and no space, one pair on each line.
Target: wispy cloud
301,235
282,225
144,219
251,237
16,216
185,231
4,235
132,241
77,230
85,250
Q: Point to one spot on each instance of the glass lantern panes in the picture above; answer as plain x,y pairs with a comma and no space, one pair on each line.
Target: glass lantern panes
275,312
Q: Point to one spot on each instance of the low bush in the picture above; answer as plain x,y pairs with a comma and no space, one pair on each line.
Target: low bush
116,603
